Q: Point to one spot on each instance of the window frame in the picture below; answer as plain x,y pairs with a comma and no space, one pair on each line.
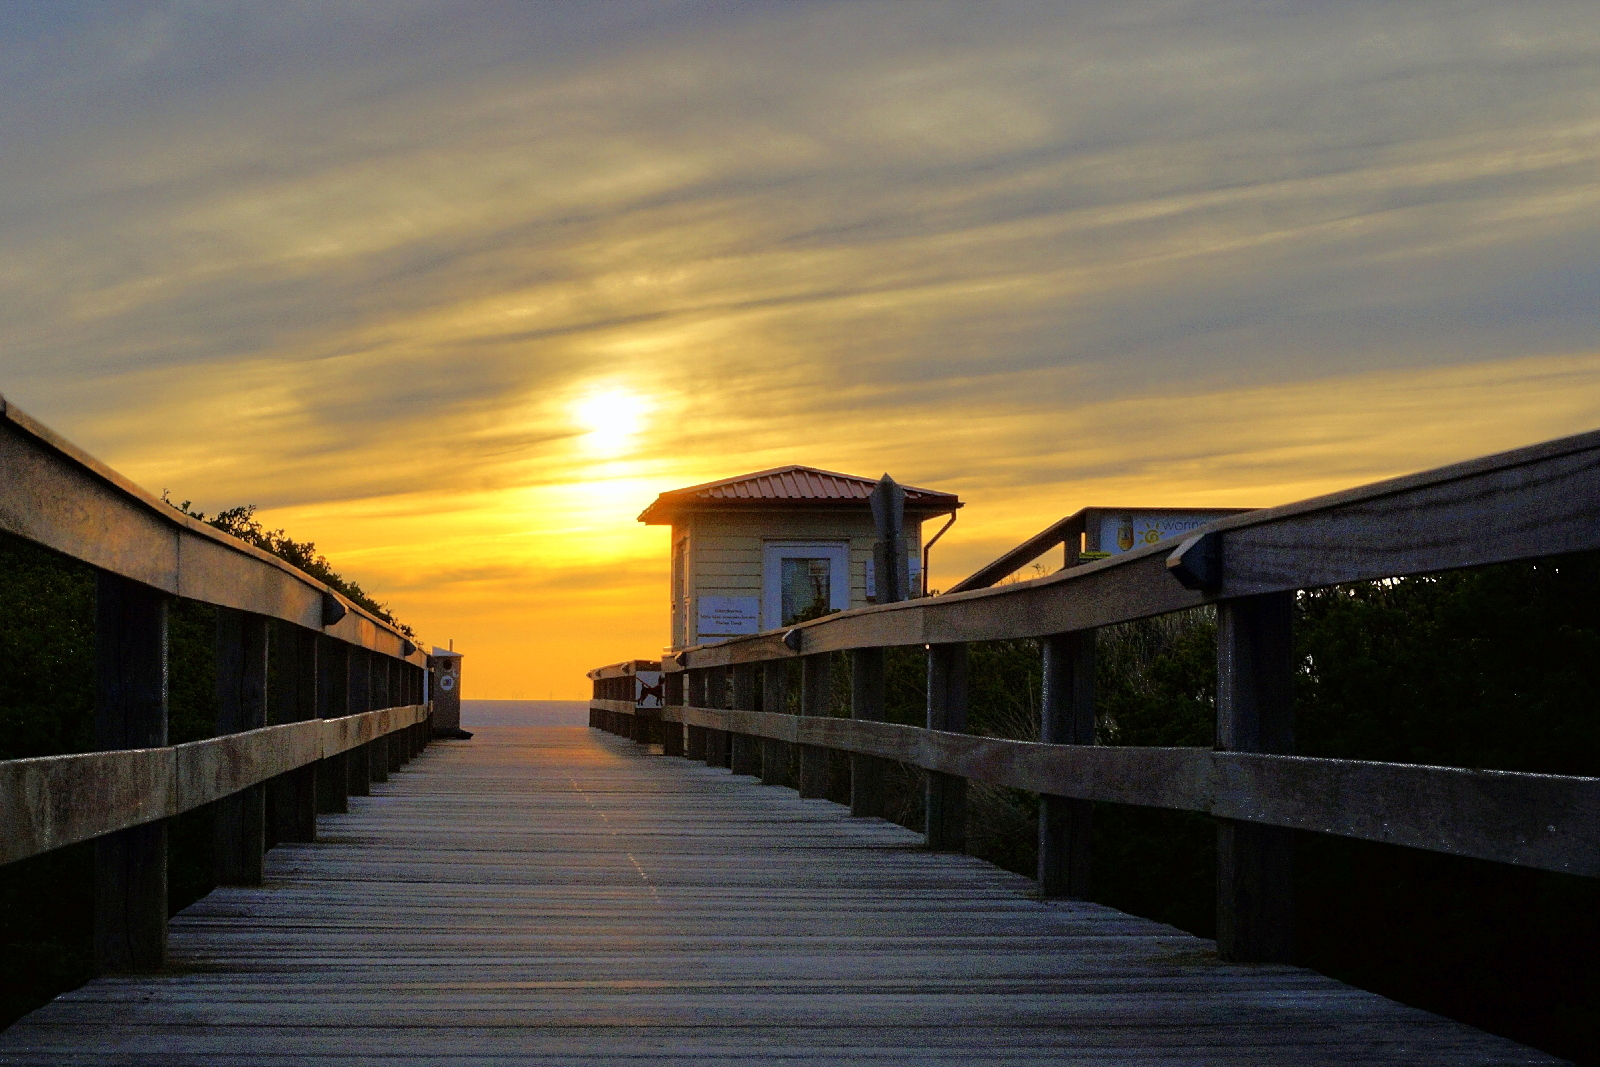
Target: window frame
837,552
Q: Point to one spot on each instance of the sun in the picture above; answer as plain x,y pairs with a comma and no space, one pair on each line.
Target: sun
611,419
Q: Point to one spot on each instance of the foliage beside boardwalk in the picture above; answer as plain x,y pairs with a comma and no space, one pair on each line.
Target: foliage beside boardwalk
47,709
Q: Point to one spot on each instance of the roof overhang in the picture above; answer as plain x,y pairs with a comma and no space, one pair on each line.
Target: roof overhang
666,512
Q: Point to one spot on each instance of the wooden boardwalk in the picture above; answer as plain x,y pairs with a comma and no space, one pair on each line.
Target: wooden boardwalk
552,895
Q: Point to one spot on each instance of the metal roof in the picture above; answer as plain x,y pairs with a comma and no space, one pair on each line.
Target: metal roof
791,485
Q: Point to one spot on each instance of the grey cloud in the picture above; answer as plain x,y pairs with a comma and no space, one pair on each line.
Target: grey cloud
875,208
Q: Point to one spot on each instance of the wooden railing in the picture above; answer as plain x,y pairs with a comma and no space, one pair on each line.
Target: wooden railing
348,703
1531,503
621,692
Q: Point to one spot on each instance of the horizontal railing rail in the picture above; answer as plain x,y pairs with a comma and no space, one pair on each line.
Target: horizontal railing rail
1531,503
54,801
1551,822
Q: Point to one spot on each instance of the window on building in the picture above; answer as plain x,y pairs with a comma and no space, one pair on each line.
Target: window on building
803,580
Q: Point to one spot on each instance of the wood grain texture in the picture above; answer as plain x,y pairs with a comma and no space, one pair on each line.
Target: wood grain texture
1532,820
51,801
559,896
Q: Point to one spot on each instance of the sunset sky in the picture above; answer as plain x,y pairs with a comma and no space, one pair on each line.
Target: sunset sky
454,289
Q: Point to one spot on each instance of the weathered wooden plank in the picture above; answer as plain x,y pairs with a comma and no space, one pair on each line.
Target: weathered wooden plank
214,768
1531,820
1536,501
78,510
558,896
1547,821
52,801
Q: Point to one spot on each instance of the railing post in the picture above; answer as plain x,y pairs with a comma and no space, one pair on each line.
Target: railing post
947,710
745,757
378,690
239,822
672,732
775,698
697,699
402,698
397,745
1255,713
866,702
1066,718
295,700
716,684
333,774
358,698
816,692
130,866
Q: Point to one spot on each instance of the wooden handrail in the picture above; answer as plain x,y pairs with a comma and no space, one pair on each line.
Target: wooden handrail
1547,821
50,802
1525,504
56,495
1528,503
336,657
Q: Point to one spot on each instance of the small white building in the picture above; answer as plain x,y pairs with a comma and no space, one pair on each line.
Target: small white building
765,550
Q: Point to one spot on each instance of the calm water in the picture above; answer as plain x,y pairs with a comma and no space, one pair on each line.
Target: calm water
524,713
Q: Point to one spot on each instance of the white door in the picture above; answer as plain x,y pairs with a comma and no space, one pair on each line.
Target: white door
803,580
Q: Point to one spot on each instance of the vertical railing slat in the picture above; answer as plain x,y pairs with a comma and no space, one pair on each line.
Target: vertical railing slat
295,700
816,693
775,754
1255,713
672,732
333,774
745,756
1066,718
867,701
696,748
358,698
377,697
239,821
947,710
130,866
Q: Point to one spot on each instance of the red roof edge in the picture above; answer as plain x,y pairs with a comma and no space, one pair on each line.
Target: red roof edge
791,486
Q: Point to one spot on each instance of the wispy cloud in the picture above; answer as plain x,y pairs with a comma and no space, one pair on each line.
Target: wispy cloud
357,263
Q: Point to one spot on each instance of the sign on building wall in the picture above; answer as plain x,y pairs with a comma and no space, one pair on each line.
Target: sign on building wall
647,689
726,616
1123,531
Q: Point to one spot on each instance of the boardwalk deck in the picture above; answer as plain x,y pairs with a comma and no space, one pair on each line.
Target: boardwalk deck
551,895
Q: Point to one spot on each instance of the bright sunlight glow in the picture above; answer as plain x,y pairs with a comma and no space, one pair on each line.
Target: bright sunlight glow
611,418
